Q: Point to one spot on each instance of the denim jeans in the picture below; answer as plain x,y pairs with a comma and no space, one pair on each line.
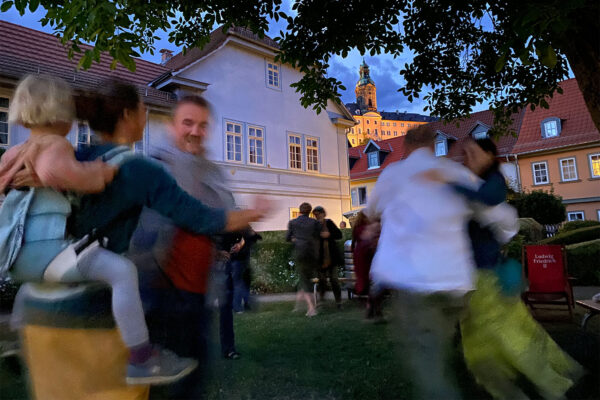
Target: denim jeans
179,321
223,287
240,289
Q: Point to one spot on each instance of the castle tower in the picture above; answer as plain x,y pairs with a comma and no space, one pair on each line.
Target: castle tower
366,92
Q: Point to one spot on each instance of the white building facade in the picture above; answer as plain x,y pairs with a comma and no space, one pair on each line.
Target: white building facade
262,137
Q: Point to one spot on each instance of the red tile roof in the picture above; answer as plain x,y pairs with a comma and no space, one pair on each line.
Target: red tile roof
460,133
577,124
24,50
217,38
360,169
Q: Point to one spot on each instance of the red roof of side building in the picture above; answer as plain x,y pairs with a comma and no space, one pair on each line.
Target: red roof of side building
456,134
463,131
24,50
360,170
576,122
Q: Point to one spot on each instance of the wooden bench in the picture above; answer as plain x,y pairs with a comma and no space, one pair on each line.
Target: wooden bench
593,308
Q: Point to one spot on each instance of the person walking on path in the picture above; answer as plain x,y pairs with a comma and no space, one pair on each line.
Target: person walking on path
330,257
305,232
424,253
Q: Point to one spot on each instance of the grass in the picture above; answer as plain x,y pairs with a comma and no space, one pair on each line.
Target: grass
335,355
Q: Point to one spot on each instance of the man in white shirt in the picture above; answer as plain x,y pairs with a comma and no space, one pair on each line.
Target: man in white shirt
424,252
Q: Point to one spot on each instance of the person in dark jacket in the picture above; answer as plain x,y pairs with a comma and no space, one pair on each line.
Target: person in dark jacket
486,249
304,232
240,263
330,257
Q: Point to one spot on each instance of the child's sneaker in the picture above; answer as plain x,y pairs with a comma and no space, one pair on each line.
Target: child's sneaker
161,368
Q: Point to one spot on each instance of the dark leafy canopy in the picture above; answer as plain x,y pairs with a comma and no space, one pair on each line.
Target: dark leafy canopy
508,52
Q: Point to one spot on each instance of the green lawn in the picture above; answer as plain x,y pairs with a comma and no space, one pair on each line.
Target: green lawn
335,355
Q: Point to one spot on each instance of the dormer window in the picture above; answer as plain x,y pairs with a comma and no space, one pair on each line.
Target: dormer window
373,159
551,127
440,148
480,131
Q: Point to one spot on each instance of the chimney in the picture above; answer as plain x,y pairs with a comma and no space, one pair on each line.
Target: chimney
166,56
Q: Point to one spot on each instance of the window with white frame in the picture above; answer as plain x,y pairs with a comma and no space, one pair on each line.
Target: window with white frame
575,216
295,150
362,196
551,127
273,70
373,159
255,145
568,169
358,196
595,165
4,122
540,173
440,148
312,154
480,132
233,135
354,197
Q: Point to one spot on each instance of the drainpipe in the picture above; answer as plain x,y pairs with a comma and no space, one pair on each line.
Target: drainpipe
518,174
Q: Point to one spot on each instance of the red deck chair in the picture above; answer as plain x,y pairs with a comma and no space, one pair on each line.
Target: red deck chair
546,269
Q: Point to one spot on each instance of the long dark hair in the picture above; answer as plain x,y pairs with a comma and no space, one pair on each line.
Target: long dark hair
103,107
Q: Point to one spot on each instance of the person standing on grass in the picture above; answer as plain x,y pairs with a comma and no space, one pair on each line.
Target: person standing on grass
305,232
329,256
241,271
424,253
179,264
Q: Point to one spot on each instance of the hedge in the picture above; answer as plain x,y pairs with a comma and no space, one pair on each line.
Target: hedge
572,225
272,263
584,262
575,236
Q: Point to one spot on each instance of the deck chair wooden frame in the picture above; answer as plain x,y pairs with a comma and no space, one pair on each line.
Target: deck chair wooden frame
532,298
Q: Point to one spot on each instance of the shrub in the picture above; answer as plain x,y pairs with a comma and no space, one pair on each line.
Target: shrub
583,262
531,230
513,248
272,262
572,225
272,267
545,208
575,236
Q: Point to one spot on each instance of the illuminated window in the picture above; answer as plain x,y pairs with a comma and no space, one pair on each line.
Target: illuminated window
233,136
595,165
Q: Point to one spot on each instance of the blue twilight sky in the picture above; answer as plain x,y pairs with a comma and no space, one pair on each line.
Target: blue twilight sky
384,68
